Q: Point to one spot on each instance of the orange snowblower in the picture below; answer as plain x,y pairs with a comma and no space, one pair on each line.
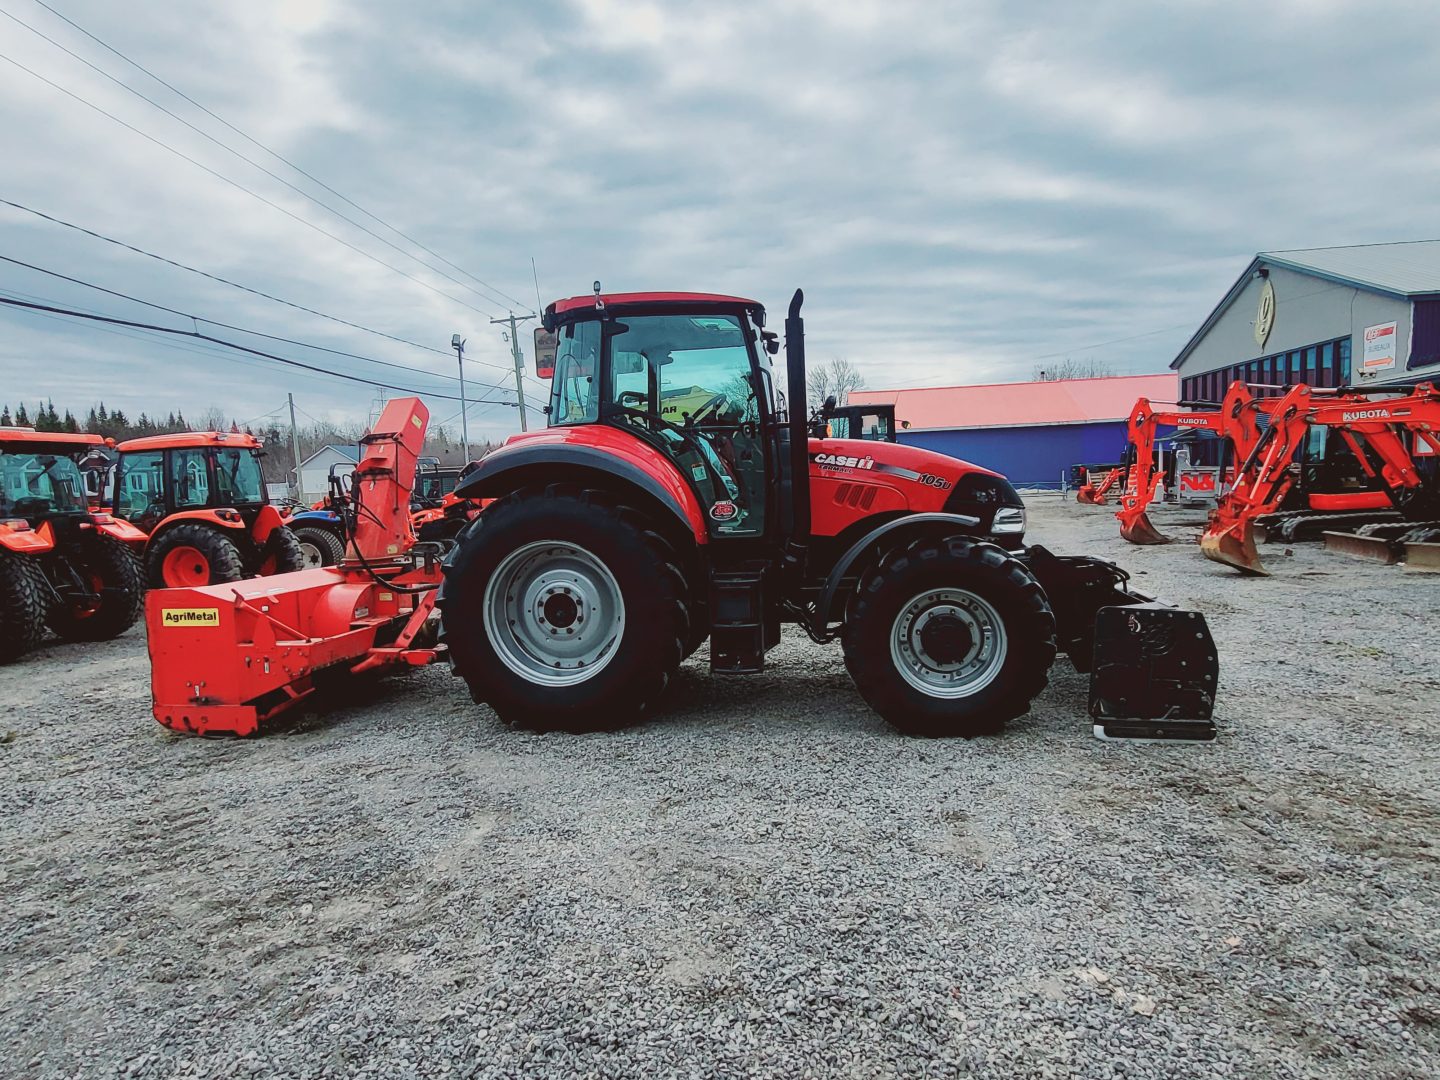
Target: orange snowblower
227,657
1374,428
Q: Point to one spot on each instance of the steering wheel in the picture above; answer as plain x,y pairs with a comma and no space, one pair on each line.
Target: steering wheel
689,438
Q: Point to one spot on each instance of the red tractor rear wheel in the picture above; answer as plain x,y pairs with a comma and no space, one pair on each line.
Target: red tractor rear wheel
564,609
110,570
188,556
950,637
22,605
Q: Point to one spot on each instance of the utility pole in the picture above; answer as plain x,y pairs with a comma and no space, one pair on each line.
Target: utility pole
512,319
458,344
295,448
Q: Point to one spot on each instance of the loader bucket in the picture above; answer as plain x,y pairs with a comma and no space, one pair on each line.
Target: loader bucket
1234,546
1141,530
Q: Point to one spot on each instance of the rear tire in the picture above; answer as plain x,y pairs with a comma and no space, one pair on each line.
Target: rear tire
565,553
113,566
22,605
193,555
318,547
950,637
281,554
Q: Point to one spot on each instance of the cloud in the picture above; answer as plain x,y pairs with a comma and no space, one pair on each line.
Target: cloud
959,189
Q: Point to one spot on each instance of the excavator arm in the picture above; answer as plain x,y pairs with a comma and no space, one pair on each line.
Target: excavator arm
1364,421
1144,477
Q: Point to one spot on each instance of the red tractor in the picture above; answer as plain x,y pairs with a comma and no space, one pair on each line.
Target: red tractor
673,499
631,530
200,495
61,565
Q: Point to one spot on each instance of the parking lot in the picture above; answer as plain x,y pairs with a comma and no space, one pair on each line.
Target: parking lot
762,880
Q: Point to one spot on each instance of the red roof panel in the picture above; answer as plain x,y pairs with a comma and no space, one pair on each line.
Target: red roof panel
1070,401
621,299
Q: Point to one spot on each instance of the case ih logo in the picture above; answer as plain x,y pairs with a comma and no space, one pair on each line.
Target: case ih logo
1364,414
840,461
723,510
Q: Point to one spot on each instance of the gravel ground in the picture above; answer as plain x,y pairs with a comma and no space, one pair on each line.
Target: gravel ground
763,881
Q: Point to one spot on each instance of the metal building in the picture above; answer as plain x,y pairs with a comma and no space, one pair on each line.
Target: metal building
1031,432
1362,315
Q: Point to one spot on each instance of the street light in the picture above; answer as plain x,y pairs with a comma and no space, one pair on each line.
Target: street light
458,344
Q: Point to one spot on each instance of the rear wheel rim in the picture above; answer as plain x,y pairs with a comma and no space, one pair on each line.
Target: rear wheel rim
311,554
977,643
554,613
185,567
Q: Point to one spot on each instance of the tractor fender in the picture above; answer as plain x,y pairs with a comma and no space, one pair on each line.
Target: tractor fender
886,535
116,529
195,517
266,522
544,458
27,541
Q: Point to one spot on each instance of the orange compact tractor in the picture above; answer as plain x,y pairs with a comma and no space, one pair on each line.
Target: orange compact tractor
1386,431
623,536
200,496
61,565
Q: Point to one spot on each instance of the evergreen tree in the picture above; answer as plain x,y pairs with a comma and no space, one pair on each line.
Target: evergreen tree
5,420
22,418
92,422
69,424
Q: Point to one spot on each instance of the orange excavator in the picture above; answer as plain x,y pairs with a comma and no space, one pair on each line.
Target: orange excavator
1380,431
1094,494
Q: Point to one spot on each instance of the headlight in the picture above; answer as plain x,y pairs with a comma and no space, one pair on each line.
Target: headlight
1009,519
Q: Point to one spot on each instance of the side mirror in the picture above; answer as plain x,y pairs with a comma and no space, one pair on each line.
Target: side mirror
547,342
829,406
905,424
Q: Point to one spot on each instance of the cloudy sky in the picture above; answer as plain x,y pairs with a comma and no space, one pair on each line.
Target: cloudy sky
964,190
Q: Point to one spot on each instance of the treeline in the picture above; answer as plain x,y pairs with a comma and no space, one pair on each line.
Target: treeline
279,460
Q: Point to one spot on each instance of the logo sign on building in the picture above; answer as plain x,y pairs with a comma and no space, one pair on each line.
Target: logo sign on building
1265,313
1379,352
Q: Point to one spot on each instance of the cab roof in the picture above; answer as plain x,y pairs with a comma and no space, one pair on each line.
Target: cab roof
572,307
32,441
186,440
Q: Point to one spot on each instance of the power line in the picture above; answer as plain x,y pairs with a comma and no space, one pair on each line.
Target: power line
248,160
111,320
224,281
228,326
241,187
255,142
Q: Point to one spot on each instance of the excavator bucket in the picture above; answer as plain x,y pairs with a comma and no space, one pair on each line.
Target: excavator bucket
1234,546
1139,529
1086,494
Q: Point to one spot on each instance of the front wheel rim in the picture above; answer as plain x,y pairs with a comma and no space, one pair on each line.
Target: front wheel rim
311,555
554,613
186,567
977,643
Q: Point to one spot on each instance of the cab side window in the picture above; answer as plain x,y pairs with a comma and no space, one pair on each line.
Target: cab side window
189,479
574,396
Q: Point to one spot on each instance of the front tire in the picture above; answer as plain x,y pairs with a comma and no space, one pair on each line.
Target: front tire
950,638
22,605
110,567
188,556
564,610
281,554
319,547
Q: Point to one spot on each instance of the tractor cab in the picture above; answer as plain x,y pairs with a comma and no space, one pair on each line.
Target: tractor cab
40,478
873,422
200,495
197,470
433,482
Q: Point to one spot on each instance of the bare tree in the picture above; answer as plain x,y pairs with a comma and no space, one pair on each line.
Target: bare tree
1059,370
836,376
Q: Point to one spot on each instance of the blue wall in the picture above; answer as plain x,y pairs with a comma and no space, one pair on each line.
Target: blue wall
1028,455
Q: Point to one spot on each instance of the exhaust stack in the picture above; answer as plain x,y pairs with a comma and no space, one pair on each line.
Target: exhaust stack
799,414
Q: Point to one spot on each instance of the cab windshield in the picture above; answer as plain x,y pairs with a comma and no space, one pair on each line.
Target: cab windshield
37,485
237,477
